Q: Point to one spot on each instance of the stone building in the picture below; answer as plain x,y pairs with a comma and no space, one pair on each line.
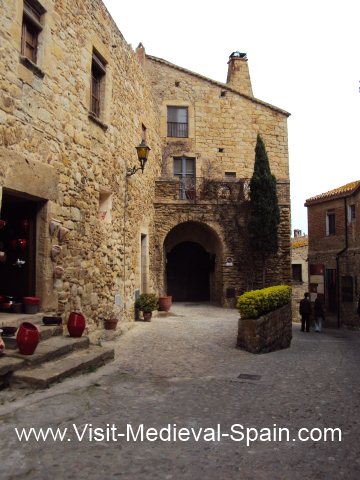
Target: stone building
208,132
74,104
334,250
76,230
299,270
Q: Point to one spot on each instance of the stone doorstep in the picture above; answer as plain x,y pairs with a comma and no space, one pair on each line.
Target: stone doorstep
76,362
52,348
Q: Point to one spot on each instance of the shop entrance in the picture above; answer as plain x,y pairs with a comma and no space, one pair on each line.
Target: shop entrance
18,245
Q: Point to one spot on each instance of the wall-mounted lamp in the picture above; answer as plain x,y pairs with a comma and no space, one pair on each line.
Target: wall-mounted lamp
142,153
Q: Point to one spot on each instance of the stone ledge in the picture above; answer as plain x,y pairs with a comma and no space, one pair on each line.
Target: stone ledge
31,66
98,122
267,333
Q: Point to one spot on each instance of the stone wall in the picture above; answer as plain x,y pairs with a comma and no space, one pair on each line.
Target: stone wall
52,149
223,125
267,333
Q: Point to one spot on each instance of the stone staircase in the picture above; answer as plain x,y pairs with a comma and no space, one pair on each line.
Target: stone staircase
56,357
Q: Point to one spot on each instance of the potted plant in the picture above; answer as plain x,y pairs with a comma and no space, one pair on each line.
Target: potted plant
147,303
165,303
111,317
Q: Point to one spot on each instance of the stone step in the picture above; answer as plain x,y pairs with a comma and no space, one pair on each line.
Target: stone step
45,333
9,364
51,348
50,372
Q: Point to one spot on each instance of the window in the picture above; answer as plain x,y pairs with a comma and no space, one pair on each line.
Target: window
347,288
98,71
351,213
31,29
143,132
177,122
184,169
230,175
296,272
330,223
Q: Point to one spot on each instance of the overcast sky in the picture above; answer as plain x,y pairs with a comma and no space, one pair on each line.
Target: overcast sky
304,57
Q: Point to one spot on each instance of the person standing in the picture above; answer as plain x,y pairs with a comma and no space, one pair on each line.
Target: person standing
305,312
319,314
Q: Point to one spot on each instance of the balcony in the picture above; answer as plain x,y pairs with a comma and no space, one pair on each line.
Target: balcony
201,189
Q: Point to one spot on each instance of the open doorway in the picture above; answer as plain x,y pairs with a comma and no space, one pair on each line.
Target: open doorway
18,245
188,273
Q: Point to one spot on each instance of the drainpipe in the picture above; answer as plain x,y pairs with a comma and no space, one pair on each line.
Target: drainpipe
338,261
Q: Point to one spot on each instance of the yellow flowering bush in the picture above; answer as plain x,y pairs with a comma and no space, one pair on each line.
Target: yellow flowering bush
255,303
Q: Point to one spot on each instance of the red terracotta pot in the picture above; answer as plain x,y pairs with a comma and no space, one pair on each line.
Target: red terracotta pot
147,316
27,338
76,324
165,303
110,323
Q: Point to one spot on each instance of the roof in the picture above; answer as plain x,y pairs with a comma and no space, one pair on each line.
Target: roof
219,84
344,191
299,242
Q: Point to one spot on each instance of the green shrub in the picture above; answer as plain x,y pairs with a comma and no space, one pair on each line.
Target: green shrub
147,302
258,302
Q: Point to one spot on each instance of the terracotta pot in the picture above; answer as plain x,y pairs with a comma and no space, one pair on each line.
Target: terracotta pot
110,323
147,316
165,303
76,324
27,338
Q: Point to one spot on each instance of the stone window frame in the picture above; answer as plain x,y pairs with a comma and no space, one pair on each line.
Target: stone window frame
32,30
191,119
177,129
97,85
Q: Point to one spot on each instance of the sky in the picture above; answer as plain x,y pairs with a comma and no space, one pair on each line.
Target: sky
303,56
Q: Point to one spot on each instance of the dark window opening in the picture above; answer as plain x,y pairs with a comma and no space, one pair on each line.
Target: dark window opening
143,132
223,93
330,223
221,150
352,214
230,175
296,269
98,71
177,84
177,122
347,288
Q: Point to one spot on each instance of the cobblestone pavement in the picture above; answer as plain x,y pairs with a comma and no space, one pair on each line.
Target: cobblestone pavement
183,369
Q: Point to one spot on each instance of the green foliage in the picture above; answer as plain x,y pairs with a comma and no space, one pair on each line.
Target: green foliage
147,302
258,302
264,208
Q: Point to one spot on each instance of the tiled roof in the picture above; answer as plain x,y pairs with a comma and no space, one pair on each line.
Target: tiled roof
299,242
219,84
339,192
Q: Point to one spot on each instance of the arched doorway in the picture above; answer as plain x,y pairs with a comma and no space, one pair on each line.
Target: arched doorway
188,272
193,254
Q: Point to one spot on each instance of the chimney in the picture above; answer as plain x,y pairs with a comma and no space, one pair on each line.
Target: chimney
140,53
238,76
297,233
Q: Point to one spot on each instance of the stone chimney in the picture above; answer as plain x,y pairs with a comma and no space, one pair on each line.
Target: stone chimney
140,53
238,76
297,233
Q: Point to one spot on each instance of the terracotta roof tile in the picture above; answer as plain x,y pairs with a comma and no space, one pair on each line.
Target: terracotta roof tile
342,191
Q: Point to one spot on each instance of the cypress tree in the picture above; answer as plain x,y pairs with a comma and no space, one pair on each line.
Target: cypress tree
264,215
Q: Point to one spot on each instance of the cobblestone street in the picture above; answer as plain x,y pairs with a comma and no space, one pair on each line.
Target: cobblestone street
184,369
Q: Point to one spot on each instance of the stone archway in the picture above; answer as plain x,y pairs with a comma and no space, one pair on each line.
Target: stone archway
193,253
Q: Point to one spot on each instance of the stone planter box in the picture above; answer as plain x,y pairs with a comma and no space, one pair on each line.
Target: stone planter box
268,333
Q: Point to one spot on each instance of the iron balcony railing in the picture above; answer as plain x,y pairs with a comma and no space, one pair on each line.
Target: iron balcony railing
176,129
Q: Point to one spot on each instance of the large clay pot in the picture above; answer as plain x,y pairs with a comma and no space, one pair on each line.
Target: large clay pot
147,316
27,338
76,324
165,303
110,323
